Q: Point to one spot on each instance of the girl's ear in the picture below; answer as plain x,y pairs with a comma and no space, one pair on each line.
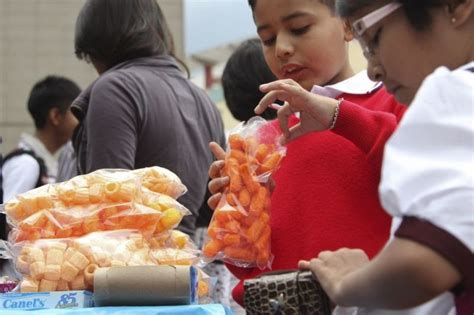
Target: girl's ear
460,11
348,35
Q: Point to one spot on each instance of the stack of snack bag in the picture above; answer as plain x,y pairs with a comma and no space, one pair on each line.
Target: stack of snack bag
239,232
62,232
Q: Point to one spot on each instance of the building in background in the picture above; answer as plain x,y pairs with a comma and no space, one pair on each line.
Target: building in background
37,39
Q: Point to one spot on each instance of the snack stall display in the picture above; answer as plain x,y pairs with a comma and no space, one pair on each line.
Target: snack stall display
63,234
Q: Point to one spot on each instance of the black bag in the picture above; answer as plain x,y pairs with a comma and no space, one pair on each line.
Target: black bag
285,292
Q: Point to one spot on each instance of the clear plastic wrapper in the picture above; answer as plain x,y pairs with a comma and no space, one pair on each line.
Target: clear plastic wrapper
204,287
81,220
160,214
99,187
69,264
172,211
239,232
161,180
174,248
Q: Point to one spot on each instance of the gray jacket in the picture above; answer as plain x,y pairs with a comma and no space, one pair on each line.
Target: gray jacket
145,112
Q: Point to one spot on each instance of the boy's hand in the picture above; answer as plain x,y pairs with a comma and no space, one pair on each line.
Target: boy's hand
218,182
332,269
316,112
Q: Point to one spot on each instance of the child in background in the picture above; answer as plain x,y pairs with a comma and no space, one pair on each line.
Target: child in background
427,183
243,73
326,189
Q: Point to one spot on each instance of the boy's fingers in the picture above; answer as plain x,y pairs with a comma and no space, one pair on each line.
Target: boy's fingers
218,184
216,149
215,169
213,201
269,99
295,132
283,115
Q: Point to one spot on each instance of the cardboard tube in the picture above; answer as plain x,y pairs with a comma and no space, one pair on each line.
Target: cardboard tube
145,286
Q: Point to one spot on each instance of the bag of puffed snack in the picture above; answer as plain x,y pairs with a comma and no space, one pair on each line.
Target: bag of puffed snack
239,232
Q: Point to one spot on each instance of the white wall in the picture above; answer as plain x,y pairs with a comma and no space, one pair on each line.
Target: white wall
37,39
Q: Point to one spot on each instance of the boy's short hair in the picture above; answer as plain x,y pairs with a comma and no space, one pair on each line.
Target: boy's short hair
51,92
244,72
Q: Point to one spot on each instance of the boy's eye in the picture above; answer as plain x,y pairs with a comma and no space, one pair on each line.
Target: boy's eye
268,41
300,30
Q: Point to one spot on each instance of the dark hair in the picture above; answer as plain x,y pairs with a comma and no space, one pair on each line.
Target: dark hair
51,92
113,31
245,70
329,3
417,12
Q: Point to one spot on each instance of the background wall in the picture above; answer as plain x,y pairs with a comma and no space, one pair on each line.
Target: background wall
37,39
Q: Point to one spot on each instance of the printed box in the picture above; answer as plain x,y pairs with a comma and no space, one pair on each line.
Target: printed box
45,300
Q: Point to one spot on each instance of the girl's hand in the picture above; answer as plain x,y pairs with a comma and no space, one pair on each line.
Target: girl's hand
332,270
218,182
316,112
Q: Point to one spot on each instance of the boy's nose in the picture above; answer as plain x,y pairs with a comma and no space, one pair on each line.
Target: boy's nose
284,48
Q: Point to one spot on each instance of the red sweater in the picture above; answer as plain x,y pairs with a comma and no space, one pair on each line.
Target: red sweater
326,194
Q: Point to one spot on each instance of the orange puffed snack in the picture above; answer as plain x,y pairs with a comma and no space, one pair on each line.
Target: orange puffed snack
99,187
84,219
69,264
239,232
161,180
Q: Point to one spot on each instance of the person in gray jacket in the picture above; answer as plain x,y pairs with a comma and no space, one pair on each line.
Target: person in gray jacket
142,110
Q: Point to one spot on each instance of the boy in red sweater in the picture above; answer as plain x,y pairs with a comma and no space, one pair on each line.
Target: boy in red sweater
326,189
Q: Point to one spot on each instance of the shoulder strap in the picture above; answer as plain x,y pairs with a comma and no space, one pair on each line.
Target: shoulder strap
43,171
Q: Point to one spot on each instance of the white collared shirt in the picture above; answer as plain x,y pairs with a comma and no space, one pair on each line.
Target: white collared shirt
428,167
21,173
430,155
358,84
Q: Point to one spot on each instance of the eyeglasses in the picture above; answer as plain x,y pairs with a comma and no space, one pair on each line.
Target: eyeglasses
360,26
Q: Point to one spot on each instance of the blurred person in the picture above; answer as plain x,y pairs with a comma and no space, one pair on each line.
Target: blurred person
67,163
243,73
35,160
142,110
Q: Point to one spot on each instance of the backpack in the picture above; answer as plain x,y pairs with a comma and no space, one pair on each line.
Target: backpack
42,180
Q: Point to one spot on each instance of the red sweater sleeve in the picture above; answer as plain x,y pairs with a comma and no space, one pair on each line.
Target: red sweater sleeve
369,130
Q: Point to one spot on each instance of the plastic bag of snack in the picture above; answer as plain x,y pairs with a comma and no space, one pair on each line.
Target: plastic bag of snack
204,287
102,186
81,220
172,239
161,180
239,232
69,264
172,211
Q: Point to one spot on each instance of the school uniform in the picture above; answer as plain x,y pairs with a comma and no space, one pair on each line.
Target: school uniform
21,173
326,193
427,178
